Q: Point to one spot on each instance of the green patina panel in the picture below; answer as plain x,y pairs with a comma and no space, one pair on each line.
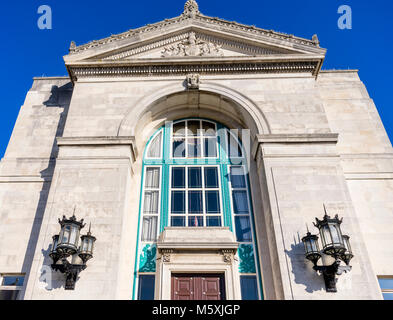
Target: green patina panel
246,259
147,260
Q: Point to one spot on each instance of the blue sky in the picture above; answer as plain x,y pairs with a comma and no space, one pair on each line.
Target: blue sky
28,51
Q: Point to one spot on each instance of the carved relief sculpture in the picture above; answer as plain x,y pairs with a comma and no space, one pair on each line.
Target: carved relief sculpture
192,47
193,81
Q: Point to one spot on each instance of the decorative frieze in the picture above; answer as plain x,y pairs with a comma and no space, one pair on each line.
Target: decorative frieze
210,68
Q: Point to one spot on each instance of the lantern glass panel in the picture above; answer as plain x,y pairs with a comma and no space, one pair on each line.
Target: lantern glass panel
336,237
326,236
90,249
84,245
66,234
74,235
55,242
314,245
307,246
346,244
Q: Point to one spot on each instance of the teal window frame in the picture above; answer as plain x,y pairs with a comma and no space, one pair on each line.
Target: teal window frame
223,162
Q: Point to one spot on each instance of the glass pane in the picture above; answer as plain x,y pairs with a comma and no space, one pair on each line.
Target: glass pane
193,128
213,221
209,129
249,287
74,233
152,179
178,177
237,177
179,148
179,128
16,281
326,235
9,294
210,147
212,202
387,296
149,229
195,221
151,202
211,177
240,203
386,283
178,221
243,229
195,202
66,234
194,148
178,202
146,287
155,147
194,177
335,234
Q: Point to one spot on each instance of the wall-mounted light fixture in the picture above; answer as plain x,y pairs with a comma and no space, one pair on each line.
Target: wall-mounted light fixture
67,257
334,244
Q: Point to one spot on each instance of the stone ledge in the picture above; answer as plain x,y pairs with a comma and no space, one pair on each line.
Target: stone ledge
297,138
198,238
99,141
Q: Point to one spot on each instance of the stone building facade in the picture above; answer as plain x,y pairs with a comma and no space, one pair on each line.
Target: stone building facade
122,143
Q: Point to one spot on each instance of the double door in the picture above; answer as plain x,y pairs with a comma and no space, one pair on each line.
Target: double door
198,287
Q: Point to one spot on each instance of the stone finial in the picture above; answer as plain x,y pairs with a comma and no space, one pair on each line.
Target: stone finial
315,39
191,9
72,46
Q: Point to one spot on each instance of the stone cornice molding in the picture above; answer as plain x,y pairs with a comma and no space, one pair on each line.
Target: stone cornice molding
264,139
214,22
98,141
203,66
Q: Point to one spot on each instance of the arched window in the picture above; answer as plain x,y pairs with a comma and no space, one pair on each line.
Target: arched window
195,174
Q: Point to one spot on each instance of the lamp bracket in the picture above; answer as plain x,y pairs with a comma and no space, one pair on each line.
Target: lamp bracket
71,272
329,274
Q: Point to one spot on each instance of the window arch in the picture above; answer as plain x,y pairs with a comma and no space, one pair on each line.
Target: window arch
195,174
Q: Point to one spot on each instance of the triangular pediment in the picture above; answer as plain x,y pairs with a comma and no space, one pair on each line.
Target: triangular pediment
192,43
194,38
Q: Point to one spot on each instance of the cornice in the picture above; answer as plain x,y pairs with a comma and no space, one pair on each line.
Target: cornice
184,66
98,141
212,21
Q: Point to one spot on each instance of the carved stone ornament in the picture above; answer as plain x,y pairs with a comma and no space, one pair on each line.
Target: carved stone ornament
191,9
166,255
228,255
192,47
193,81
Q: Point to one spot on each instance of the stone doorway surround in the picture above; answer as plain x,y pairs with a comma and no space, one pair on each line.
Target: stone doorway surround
195,251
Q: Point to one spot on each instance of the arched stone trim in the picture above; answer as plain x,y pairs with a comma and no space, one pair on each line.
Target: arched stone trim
246,106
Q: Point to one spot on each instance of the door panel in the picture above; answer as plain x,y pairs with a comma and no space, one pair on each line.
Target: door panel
198,287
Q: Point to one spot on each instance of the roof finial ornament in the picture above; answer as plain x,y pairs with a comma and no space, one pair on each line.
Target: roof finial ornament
191,9
315,40
72,46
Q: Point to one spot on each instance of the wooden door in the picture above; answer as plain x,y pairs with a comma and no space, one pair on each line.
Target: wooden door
198,287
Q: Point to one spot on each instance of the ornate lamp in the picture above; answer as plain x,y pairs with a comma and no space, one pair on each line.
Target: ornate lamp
87,245
69,236
312,248
333,244
64,252
331,237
